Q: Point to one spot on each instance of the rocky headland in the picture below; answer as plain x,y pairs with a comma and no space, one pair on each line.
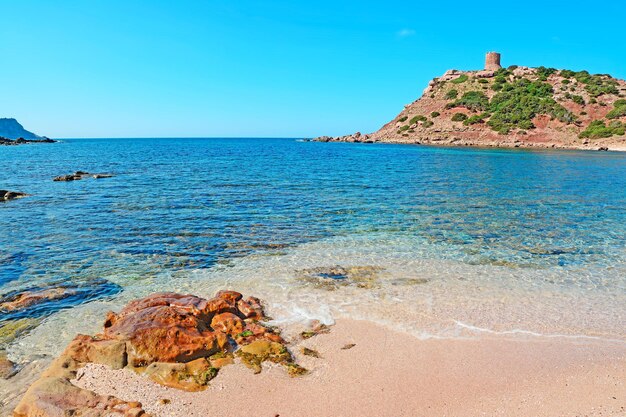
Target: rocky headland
13,133
515,107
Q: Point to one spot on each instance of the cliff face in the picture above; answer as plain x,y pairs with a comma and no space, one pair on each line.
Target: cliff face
514,107
12,129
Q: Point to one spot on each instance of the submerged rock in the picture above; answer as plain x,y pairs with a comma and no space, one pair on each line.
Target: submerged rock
333,277
179,341
7,367
42,301
11,195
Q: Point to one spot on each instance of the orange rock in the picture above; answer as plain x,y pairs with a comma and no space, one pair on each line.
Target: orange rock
251,308
230,296
228,323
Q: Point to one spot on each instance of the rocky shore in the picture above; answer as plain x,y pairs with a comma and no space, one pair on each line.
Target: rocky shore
174,355
22,141
178,341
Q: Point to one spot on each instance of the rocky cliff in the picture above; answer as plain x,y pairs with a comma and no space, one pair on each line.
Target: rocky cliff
512,107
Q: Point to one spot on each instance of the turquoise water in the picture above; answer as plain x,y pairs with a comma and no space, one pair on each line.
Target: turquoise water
197,214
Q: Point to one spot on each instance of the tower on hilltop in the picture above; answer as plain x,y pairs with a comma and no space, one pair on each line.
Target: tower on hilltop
492,61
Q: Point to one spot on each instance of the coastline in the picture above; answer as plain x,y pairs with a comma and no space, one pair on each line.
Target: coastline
461,143
392,373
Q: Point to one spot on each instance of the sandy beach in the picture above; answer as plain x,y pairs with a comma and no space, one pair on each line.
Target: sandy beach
387,373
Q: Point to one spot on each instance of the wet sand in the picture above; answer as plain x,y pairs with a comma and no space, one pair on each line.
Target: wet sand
388,373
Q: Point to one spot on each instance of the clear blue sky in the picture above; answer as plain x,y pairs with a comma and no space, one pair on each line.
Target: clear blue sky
270,68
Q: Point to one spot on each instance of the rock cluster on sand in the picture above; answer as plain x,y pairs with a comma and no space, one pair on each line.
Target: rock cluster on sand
79,175
11,195
176,340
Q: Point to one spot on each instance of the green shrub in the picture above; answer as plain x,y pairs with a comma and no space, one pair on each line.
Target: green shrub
418,118
544,72
459,117
596,85
518,105
619,110
460,80
403,118
597,129
477,118
403,128
428,123
473,100
452,94
578,100
567,74
565,81
483,81
435,114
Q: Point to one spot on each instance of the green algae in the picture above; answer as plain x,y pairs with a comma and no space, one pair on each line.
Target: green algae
12,329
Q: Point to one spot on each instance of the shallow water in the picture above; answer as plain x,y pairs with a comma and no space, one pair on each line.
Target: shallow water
469,240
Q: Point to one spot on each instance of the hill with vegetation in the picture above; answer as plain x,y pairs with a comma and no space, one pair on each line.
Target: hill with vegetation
512,107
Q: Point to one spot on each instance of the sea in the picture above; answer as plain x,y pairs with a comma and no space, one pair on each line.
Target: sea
439,242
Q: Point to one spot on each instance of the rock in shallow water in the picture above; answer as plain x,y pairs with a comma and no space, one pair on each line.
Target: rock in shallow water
42,301
333,277
176,340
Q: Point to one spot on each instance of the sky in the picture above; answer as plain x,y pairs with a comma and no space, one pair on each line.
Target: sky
230,68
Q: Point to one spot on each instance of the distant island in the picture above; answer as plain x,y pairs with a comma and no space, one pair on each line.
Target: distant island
511,107
13,133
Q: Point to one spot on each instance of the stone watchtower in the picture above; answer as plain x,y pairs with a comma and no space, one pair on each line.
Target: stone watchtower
492,61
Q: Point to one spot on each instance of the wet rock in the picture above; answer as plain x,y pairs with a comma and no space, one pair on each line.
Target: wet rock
315,329
79,175
11,195
259,351
42,301
7,367
310,352
334,277
176,340
31,297
53,394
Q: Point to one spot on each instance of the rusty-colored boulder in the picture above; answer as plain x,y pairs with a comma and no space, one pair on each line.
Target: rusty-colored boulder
163,328
228,323
251,308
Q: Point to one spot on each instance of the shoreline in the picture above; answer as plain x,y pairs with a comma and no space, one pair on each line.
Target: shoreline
463,145
392,373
